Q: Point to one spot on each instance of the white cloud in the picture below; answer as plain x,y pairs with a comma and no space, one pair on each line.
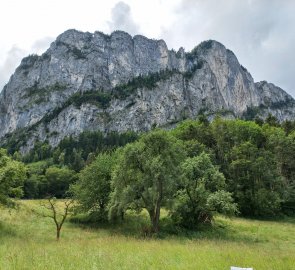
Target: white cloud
122,19
260,32
41,45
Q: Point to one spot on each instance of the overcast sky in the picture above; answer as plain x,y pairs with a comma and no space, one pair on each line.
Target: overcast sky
260,32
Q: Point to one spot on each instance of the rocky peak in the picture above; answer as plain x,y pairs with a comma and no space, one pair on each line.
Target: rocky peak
116,82
73,37
272,95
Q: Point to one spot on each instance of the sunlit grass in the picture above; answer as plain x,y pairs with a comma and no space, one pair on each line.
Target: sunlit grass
27,241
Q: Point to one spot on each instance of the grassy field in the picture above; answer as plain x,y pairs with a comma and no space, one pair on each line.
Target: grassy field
27,241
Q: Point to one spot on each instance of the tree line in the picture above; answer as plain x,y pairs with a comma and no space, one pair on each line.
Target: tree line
194,171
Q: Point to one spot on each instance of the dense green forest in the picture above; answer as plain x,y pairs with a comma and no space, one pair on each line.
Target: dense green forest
198,169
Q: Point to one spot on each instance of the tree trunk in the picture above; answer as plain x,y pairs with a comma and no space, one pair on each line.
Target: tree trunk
122,215
155,217
152,219
157,211
58,233
154,210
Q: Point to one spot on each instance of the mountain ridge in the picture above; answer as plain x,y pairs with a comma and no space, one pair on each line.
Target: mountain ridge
117,82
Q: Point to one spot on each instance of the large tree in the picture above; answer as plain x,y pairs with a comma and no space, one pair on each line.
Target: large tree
12,176
147,175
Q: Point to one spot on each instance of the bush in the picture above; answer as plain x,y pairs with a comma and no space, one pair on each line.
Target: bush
267,203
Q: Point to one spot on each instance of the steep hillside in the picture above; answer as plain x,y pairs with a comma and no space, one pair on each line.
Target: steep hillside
117,82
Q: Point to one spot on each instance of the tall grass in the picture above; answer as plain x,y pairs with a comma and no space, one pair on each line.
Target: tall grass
27,241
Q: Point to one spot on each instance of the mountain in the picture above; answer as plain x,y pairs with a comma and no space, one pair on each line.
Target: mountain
117,82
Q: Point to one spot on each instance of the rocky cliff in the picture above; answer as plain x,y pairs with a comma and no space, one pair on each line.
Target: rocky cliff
116,82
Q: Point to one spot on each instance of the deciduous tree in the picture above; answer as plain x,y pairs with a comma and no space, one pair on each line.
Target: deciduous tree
12,176
201,193
147,175
93,187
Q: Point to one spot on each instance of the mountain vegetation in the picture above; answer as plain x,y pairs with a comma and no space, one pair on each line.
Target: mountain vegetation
128,84
118,139
198,169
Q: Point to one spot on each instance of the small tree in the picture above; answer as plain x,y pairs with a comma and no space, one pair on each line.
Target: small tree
59,216
201,193
12,176
93,187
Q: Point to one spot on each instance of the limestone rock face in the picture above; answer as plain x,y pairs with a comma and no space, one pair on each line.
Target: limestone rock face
275,101
208,79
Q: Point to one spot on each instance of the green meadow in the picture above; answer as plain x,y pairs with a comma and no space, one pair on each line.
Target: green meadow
27,241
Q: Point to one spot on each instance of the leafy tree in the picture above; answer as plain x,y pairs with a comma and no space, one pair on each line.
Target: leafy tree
288,126
266,203
41,151
59,180
259,121
36,185
90,158
12,176
93,187
195,130
229,133
146,175
283,149
254,179
77,162
272,120
201,193
55,155
254,159
17,156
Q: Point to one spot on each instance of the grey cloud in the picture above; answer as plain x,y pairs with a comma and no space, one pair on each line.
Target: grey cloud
13,58
121,19
15,55
42,44
260,32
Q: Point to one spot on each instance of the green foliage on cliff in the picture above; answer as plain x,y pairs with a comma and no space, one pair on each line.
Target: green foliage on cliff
35,90
193,54
149,81
100,99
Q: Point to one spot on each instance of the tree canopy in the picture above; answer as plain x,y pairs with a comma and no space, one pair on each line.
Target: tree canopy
147,174
201,193
93,187
12,176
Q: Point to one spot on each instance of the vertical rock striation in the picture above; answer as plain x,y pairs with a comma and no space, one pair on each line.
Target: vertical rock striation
135,83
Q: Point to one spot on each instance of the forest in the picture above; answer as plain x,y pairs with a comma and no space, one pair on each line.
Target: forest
195,171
